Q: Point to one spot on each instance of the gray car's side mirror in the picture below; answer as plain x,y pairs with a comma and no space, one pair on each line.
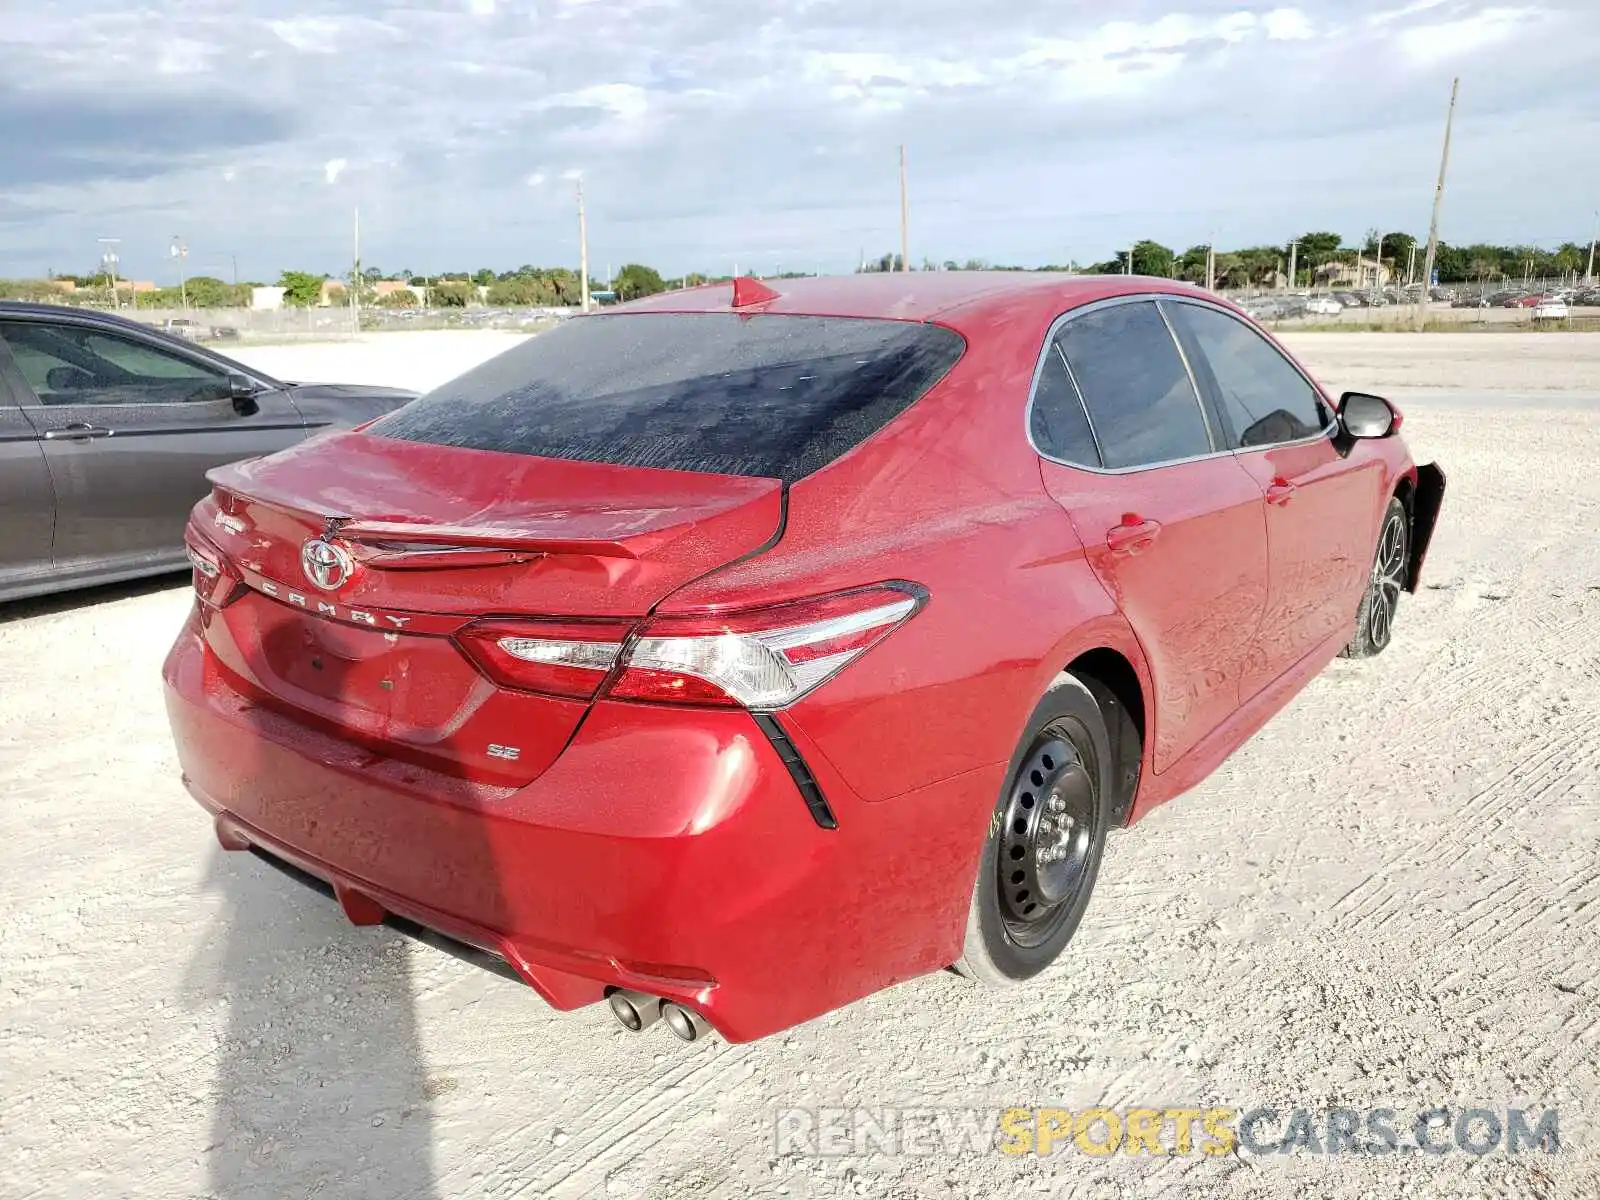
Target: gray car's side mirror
1366,416
242,391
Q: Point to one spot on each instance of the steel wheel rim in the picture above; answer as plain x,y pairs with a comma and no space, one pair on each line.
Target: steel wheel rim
1388,580
1051,820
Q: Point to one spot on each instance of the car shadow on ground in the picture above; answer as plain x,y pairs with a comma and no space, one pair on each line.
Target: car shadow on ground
81,598
319,1087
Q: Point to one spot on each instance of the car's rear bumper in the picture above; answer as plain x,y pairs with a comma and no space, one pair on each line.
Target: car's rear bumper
666,850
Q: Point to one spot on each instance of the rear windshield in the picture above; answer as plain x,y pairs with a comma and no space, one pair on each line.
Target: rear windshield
771,396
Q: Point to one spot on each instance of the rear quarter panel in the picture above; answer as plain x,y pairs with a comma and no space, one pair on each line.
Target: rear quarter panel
949,496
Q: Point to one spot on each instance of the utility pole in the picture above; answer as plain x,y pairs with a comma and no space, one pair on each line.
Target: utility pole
905,215
1377,265
1588,276
1130,259
583,246
355,274
1438,197
1211,265
235,258
1411,265
1294,263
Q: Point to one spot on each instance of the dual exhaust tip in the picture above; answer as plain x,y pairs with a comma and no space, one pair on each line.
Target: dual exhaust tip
637,1011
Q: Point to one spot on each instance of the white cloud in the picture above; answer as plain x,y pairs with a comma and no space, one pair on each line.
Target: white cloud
183,56
309,35
1451,39
536,179
1388,16
333,168
624,101
481,8
1288,25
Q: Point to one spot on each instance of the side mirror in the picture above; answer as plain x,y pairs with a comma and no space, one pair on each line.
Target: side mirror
1365,416
242,391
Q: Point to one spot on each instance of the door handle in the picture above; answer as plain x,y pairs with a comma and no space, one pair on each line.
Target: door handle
1133,535
1280,491
78,431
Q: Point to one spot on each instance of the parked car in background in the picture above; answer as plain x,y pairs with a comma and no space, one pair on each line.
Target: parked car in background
652,660
1551,308
1521,300
107,429
1323,306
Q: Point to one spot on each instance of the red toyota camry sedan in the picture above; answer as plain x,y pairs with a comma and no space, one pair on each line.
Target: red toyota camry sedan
734,654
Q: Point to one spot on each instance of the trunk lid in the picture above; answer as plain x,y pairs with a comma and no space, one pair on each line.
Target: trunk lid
429,539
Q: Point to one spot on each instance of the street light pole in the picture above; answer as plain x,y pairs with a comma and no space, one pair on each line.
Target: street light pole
180,252
108,260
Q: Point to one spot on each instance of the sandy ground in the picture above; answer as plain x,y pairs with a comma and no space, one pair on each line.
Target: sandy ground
1390,897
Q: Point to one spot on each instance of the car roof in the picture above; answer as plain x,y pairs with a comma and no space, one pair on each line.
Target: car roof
913,295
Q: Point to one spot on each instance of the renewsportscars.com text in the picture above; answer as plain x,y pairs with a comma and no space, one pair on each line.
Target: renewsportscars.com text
1167,1130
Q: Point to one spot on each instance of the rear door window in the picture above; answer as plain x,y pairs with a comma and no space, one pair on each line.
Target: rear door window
1141,402
772,396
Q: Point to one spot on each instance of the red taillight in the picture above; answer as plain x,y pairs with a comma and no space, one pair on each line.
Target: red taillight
763,658
556,658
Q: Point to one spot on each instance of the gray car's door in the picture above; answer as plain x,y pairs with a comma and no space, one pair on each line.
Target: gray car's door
27,501
130,427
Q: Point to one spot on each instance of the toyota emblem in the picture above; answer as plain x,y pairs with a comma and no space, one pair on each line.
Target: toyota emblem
326,564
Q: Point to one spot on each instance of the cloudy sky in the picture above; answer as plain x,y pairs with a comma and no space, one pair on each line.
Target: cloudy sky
763,133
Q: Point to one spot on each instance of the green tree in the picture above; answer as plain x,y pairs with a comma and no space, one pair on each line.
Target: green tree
522,292
484,277
1318,248
400,298
635,280
1152,258
452,293
207,291
301,288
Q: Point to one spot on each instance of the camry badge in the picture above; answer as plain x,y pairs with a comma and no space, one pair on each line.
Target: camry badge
327,565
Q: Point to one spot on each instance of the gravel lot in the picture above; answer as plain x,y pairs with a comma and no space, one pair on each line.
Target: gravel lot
1390,897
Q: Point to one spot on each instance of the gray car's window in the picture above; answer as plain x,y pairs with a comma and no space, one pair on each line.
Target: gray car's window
1135,386
772,396
67,364
1263,397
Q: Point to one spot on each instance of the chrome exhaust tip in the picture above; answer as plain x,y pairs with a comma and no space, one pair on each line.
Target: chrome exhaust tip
634,1011
685,1023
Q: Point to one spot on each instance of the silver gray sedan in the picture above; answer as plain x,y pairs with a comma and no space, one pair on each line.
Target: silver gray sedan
107,430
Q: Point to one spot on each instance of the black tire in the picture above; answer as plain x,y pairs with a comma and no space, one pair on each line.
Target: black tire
1046,839
1380,601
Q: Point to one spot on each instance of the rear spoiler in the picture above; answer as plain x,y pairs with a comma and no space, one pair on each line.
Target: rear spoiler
404,538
